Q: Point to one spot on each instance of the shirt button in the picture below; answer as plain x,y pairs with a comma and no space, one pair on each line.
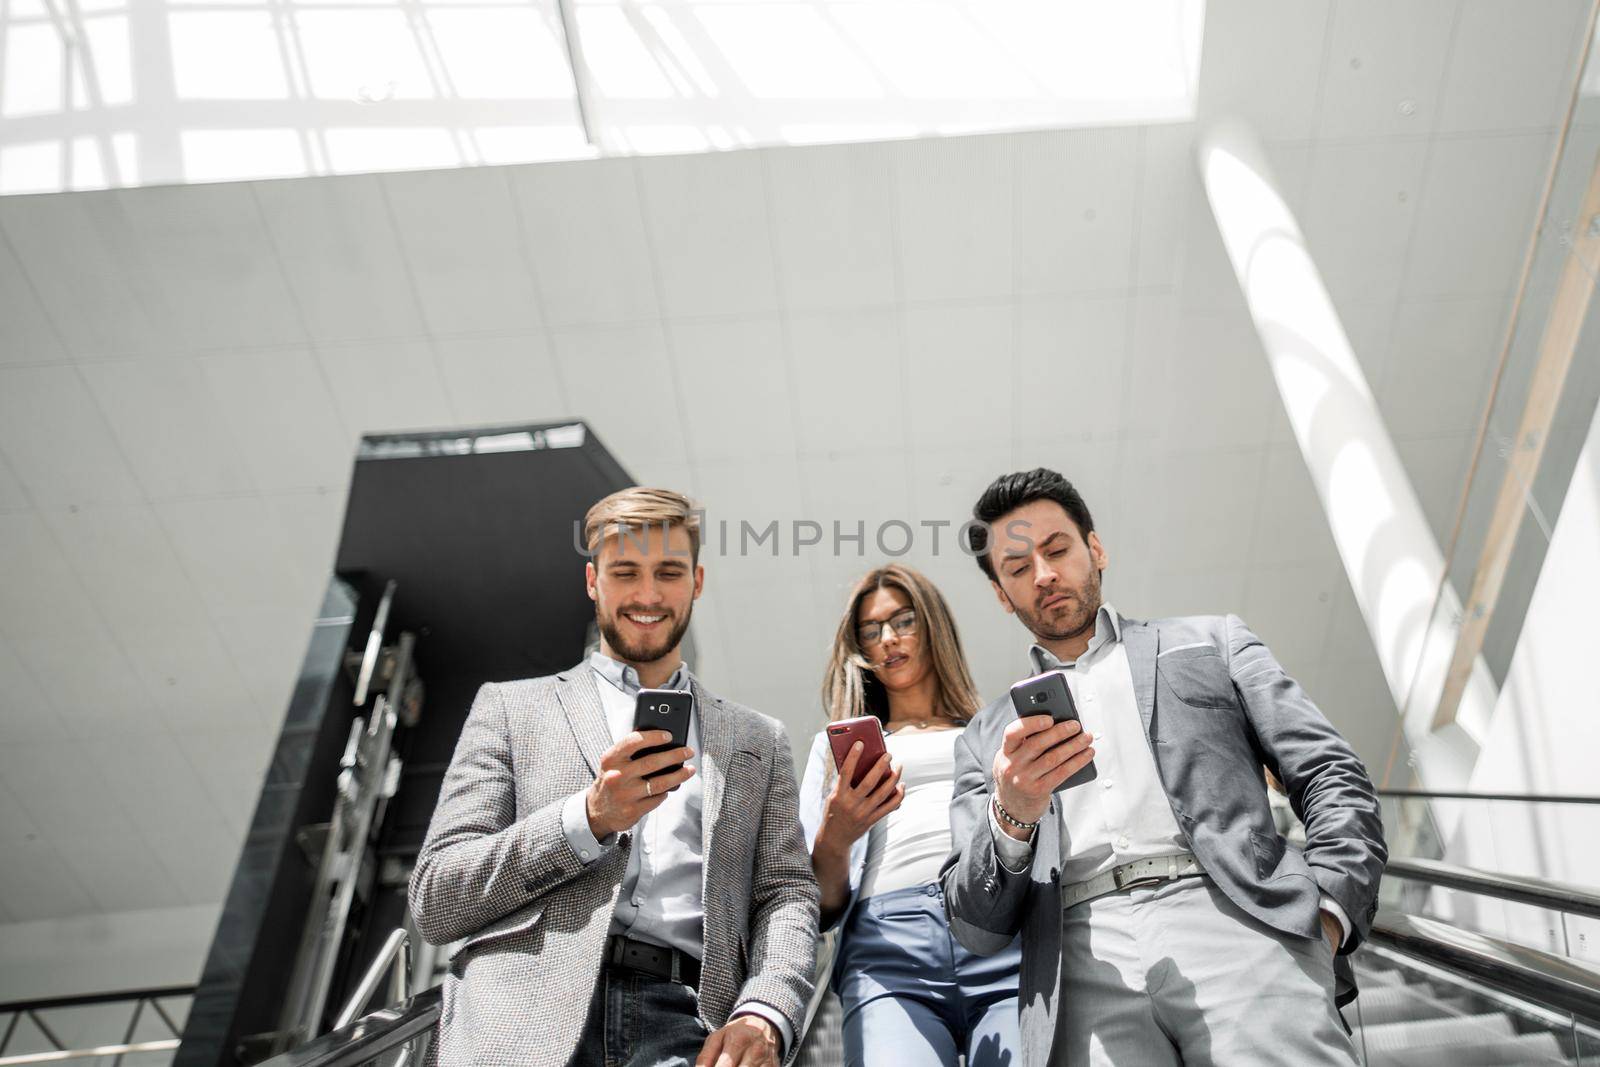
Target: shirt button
584,853
1088,698
637,901
1122,844
1105,784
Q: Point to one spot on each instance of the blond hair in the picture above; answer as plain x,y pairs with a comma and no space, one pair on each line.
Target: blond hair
637,509
851,689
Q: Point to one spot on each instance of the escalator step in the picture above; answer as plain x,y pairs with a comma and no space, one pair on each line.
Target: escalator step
1528,1050
1390,1004
1456,1030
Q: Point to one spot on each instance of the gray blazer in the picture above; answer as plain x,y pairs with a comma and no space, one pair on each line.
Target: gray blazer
497,870
1216,708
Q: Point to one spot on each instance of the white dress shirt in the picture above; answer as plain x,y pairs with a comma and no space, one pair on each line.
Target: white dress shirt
1124,814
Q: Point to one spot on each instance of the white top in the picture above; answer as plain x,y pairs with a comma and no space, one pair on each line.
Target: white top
908,846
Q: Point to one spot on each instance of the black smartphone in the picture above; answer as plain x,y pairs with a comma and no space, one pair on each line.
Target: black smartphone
663,709
1048,694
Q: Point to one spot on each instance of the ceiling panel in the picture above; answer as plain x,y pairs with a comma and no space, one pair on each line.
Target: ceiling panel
1074,210
1441,361
1288,525
56,441
280,415
1256,45
955,218
585,232
1072,369
851,395
1361,205
743,358
85,265
387,387
210,262
961,370
1167,175
1461,247
26,333
470,268
710,234
336,242
833,226
502,379
1385,65
1512,65
157,409
35,884
26,712
646,417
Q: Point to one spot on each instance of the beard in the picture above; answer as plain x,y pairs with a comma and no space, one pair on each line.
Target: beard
1077,620
642,652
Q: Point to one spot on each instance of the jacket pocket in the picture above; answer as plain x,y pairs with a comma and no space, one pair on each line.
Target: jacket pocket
1198,677
511,925
1269,851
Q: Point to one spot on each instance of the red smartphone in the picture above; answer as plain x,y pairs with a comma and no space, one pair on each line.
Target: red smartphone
846,732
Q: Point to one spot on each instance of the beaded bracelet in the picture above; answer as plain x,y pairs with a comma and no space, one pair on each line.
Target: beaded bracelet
1007,817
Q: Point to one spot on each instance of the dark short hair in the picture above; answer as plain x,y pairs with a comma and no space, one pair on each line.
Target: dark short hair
1009,492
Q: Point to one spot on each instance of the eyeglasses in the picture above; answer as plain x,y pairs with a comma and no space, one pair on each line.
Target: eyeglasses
902,622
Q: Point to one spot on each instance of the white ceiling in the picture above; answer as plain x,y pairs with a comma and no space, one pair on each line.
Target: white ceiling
869,331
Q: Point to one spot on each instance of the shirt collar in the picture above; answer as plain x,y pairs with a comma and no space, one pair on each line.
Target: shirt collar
623,677
1107,630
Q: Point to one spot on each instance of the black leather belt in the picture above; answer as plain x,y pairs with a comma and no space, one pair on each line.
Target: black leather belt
656,960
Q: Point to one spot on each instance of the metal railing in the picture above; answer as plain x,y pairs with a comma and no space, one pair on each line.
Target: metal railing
1541,977
1543,893
1525,798
370,1037
34,1011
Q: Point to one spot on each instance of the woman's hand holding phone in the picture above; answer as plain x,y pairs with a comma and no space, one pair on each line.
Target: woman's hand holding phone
619,796
850,811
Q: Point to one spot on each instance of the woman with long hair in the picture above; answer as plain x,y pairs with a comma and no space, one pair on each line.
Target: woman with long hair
911,994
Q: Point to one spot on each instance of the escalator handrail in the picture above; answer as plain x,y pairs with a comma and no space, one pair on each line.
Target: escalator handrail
1525,798
1543,893
1541,977
370,1036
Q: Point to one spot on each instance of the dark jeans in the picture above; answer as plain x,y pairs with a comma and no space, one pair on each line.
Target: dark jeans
636,1020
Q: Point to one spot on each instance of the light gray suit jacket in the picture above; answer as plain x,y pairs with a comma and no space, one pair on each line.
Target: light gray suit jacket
1216,708
497,870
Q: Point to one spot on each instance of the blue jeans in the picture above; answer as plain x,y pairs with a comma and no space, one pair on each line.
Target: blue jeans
913,995
636,1020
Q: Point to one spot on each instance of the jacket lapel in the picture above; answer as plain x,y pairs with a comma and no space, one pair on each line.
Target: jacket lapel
581,701
715,749
1140,641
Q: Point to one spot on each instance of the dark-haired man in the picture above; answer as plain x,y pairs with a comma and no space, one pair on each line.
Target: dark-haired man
1164,920
616,911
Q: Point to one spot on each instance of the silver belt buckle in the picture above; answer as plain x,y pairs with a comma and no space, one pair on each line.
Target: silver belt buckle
1117,876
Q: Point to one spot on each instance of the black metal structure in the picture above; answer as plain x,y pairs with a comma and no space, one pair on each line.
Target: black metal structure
476,528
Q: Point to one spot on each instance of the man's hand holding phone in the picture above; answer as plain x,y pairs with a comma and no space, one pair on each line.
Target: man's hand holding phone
619,796
1036,755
